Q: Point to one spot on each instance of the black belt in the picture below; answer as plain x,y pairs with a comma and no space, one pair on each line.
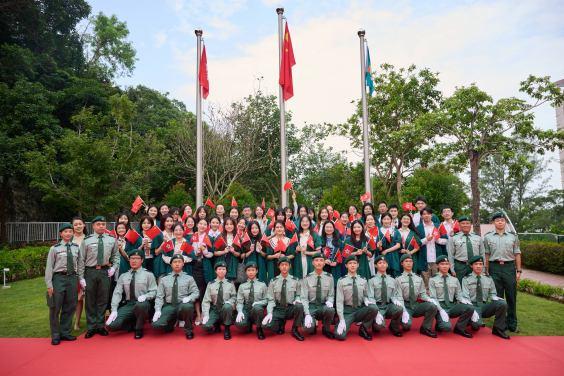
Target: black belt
381,303
98,267
63,273
461,262
503,262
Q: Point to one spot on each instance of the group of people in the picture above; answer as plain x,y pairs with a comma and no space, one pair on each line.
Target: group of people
337,268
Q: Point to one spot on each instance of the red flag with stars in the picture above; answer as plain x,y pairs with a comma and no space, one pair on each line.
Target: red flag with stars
288,62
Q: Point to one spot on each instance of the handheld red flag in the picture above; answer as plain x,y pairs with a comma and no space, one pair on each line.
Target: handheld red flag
263,205
436,234
237,241
195,238
132,236
218,243
347,250
186,247
387,236
294,239
326,252
374,232
290,225
207,240
154,231
414,244
203,74
455,226
186,230
265,240
184,216
442,229
210,203
310,242
246,238
372,243
286,65
168,246
280,246
408,207
316,228
288,185
339,226
270,213
365,197
349,231
239,233
339,257
336,214
233,202
220,229
137,204
271,225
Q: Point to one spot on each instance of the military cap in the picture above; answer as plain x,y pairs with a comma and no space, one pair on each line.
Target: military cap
405,257
442,258
498,215
99,218
65,226
476,258
176,256
463,218
351,258
317,255
284,259
251,264
138,252
219,264
379,258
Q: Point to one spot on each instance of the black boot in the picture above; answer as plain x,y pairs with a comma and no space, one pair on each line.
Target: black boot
55,342
500,333
260,333
406,329
90,333
296,334
217,328
227,333
513,329
427,332
364,333
138,334
462,333
282,327
314,332
327,333
103,332
396,333
190,335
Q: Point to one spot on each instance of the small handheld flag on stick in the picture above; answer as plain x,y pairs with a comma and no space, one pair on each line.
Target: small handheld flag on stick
209,203
168,246
365,197
263,205
154,231
132,236
233,202
186,247
270,213
137,204
288,185
414,244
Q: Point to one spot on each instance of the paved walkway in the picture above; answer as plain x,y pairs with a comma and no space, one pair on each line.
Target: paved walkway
542,277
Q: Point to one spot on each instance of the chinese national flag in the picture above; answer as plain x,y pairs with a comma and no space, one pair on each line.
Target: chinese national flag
219,242
137,204
310,242
280,246
372,243
455,226
204,83
442,229
339,226
294,239
365,197
288,62
271,225
184,216
237,241
263,205
233,202
207,240
413,243
290,225
270,213
265,240
154,231
407,206
387,236
374,232
209,203
348,250
336,214
338,257
186,248
288,185
220,228
113,233
246,238
168,246
436,234
349,231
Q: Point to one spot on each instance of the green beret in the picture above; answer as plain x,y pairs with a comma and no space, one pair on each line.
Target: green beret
379,258
219,264
65,226
99,219
318,255
442,258
176,256
351,258
463,218
284,259
406,256
498,215
476,258
251,264
138,252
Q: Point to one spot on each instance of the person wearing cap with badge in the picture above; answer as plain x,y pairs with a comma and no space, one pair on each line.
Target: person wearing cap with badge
462,247
446,289
97,262
478,287
176,295
140,289
384,292
352,292
251,300
503,264
318,290
62,290
217,305
412,288
284,302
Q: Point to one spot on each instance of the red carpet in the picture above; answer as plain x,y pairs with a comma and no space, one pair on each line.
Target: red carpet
159,353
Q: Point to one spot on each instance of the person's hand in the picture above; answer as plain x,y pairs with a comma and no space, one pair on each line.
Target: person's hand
341,327
259,247
252,247
405,317
279,255
404,251
50,291
294,196
141,299
327,262
464,301
444,315
497,298
475,316
308,321
365,250
454,274
240,317
185,300
112,317
254,304
379,244
434,302
451,233
83,284
518,277
398,303
267,319
429,238
205,319
111,271
297,301
379,319
329,304
156,316
333,263
368,302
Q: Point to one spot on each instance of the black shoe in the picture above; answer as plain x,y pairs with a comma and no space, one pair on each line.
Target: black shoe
138,334
333,321
282,328
169,330
314,332
296,334
55,342
396,333
249,329
327,333
227,333
131,329
103,332
374,330
260,333
462,333
364,333
500,333
217,328
427,332
483,325
68,338
90,333
406,329
190,335
478,328
513,329
437,328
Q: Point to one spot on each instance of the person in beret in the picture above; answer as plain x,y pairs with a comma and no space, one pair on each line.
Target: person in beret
462,247
446,289
251,300
97,262
61,281
503,264
284,301
140,288
176,294
352,293
412,288
318,290
217,305
478,288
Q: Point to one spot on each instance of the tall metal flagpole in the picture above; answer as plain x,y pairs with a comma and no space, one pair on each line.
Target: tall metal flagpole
284,179
199,143
367,185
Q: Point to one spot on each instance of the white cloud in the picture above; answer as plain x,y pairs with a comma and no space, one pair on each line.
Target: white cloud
161,38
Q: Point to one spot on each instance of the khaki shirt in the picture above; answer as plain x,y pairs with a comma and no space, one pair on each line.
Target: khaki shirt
57,260
293,291
309,289
436,289
186,288
88,256
345,293
456,248
244,291
470,284
210,297
392,289
502,247
145,284
418,287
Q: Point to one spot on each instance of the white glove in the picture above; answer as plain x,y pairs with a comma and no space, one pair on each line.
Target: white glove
308,321
228,302
329,304
464,301
434,302
141,299
379,319
205,319
405,317
112,317
83,284
255,303
240,317
111,271
497,298
297,301
368,302
185,300
398,303
341,327
444,315
267,319
475,316
156,316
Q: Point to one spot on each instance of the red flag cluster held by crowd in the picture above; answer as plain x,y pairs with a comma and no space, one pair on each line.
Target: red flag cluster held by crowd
203,74
288,185
288,62
154,231
137,204
210,203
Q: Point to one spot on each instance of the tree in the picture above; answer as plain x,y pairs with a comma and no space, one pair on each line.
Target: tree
397,142
177,196
477,128
242,196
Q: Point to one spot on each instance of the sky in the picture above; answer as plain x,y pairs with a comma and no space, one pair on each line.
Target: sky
495,44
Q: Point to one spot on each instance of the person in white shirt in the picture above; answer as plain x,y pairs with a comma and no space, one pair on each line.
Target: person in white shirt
430,248
447,213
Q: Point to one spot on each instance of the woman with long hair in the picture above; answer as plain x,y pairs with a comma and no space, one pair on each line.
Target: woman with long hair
123,218
255,251
163,209
125,246
234,212
202,212
389,248
306,236
145,225
228,252
261,218
363,250
408,232
153,212
189,226
367,208
331,240
178,240
274,252
186,209
79,228
323,217
159,267
175,212
220,212
279,215
202,268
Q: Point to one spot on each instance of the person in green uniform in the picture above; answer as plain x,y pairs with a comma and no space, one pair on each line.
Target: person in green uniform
254,251
384,292
140,289
304,251
175,296
228,251
62,290
461,247
97,252
251,300
318,290
217,305
332,247
409,234
352,293
390,248
284,302
125,246
278,246
478,287
503,263
446,289
363,251
412,288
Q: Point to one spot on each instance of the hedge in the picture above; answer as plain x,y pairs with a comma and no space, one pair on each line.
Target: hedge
543,256
24,263
541,289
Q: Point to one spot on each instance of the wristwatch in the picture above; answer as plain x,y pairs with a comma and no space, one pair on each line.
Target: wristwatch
519,271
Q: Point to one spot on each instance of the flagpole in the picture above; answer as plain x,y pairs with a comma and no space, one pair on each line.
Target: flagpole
199,143
367,185
284,195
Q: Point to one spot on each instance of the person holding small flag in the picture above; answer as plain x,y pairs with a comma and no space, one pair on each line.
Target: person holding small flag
251,301
220,212
308,244
367,208
145,225
410,241
389,243
279,215
128,240
164,235
234,212
153,212
323,217
261,218
332,247
449,226
252,249
420,204
433,245
462,247
353,213
202,212
217,305
176,246
394,212
362,249
279,246
202,268
228,249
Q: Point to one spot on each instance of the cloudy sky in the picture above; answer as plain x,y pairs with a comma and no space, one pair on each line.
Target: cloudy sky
495,44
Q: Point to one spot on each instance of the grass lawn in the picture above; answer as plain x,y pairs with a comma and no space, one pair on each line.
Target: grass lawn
25,313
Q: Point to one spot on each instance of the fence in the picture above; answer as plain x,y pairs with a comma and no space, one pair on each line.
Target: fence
541,237
25,232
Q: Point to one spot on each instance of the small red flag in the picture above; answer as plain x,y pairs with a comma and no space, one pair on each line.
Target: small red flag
339,257
326,252
455,226
442,229
436,234
218,243
233,202
220,229
408,207
310,242
237,241
207,240
186,230
132,236
204,83
263,205
316,228
286,65
347,250
349,231
339,226
265,240
239,233
271,225
184,216
154,231
137,204
365,197
186,247
294,239
270,213
168,246
336,214
288,185
374,232
413,243
112,233
209,203
290,225
195,238
387,236
372,243
246,238
280,246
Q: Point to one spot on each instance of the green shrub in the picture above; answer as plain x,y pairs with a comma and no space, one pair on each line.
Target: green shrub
541,289
24,263
544,256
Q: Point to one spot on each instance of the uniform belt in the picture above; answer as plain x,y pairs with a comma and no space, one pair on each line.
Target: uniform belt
63,273
503,262
380,303
461,262
287,304
98,267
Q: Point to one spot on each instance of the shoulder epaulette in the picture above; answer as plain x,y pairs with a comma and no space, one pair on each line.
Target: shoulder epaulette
88,236
489,232
436,275
56,245
294,277
486,275
310,274
328,274
76,245
275,278
230,281
466,276
342,277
